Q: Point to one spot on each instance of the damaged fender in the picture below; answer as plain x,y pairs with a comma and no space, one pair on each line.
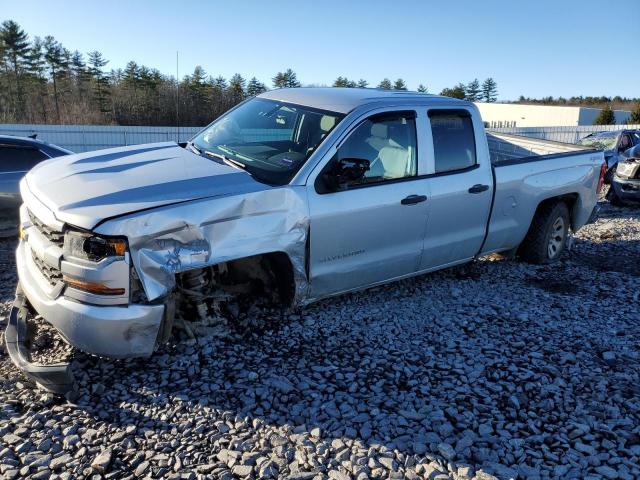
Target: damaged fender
177,238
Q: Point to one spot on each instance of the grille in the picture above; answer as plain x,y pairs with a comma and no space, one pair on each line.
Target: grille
53,275
53,236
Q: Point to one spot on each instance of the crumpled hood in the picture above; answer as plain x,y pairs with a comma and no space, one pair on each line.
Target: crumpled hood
87,188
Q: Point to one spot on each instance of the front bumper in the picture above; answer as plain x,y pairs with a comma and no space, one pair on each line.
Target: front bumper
115,331
626,188
56,378
104,330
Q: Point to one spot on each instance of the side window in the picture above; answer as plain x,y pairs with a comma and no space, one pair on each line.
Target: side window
19,159
388,142
625,143
454,144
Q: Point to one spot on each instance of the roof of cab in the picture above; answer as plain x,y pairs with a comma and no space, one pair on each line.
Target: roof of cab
343,100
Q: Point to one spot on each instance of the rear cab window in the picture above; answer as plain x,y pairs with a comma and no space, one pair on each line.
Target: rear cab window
454,144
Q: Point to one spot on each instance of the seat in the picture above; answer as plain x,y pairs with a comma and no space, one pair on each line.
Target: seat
379,136
395,162
327,122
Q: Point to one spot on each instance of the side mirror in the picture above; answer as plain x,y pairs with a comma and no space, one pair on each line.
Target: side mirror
340,173
349,170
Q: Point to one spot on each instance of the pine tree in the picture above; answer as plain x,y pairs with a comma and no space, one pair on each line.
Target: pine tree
132,75
286,79
15,46
634,118
473,91
255,87
489,90
344,82
399,85
54,56
385,84
101,82
362,83
340,82
237,88
456,92
422,88
78,68
38,70
605,117
220,83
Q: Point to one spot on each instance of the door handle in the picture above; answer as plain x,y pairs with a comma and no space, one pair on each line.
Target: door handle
478,188
411,199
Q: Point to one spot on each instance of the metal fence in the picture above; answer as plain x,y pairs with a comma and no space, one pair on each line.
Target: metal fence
84,138
561,134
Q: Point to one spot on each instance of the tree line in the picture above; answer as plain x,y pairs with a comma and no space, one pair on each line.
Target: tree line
606,104
41,81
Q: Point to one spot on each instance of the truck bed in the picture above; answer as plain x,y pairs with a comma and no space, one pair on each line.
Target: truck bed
527,171
506,149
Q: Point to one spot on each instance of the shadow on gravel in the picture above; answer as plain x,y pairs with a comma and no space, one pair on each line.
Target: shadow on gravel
614,257
556,283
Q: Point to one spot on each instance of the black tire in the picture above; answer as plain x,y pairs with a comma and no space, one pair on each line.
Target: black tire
613,197
608,176
547,236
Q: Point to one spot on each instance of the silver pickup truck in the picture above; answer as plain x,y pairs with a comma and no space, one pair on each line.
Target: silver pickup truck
297,195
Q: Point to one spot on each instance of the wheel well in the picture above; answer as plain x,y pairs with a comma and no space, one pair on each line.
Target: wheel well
268,273
282,269
569,199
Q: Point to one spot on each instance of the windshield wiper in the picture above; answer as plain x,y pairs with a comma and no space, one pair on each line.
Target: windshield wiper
235,163
194,148
209,153
226,160
235,153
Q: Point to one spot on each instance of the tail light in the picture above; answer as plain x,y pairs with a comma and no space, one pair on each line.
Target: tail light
603,172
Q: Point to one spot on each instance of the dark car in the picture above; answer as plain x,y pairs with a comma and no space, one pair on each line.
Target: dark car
18,155
613,143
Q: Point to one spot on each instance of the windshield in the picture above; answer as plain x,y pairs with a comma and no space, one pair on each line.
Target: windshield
269,139
600,142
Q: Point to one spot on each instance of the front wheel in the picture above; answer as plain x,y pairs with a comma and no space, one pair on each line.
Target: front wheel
547,236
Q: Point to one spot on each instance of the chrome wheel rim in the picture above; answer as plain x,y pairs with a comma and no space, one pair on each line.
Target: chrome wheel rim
556,238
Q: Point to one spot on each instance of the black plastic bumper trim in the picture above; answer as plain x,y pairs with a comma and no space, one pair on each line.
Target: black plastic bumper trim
56,378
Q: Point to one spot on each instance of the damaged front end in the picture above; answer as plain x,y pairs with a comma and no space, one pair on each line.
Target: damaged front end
197,266
625,184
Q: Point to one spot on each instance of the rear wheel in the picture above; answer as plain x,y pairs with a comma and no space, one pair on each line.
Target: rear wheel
547,235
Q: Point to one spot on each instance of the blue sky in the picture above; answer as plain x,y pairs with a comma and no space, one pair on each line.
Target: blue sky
535,48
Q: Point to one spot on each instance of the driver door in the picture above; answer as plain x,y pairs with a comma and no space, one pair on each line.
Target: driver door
372,229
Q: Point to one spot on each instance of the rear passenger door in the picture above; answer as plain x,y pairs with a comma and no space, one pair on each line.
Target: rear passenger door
461,187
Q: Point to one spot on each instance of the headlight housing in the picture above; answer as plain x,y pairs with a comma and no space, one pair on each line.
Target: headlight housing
625,169
87,246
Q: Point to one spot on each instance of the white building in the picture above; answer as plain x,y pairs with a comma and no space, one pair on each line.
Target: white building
496,115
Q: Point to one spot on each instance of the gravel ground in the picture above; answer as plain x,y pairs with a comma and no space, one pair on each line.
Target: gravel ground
494,370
